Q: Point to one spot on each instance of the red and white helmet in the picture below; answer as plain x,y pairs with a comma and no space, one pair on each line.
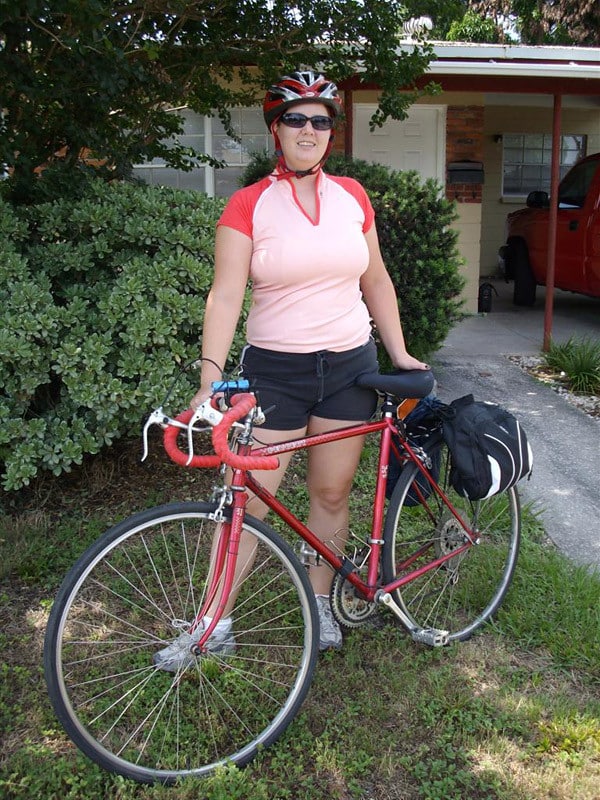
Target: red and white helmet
300,87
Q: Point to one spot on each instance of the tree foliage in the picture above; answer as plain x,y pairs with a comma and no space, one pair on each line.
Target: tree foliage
442,13
107,76
547,21
537,22
474,28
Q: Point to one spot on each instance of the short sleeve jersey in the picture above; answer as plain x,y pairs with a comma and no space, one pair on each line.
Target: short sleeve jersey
305,273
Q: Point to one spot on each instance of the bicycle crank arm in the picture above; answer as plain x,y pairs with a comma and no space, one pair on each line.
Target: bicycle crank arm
429,636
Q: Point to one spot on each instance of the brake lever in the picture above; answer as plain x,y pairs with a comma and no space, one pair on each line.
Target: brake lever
158,417
207,413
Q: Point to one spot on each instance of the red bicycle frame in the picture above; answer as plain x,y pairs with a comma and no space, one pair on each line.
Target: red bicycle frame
242,479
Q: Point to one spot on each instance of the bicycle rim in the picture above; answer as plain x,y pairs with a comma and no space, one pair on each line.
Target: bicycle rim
461,594
128,597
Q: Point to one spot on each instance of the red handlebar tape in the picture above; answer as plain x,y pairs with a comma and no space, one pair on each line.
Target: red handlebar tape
241,405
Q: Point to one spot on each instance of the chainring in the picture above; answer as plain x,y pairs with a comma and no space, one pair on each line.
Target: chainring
350,609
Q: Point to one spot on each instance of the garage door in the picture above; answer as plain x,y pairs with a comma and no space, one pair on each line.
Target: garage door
417,142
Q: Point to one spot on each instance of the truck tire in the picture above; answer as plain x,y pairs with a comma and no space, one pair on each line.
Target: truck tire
505,264
525,284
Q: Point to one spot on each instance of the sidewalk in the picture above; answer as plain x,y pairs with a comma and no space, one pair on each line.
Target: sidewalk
565,486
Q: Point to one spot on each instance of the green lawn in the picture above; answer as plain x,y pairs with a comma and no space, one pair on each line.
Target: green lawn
513,714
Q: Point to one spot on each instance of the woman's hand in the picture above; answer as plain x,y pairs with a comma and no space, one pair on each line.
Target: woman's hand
406,361
201,395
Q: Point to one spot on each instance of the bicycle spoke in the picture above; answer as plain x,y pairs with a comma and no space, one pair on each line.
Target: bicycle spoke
135,594
466,589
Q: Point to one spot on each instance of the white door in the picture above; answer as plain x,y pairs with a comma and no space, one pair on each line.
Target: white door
416,142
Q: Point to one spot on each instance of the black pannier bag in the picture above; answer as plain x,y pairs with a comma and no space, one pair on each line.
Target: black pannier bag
489,448
422,424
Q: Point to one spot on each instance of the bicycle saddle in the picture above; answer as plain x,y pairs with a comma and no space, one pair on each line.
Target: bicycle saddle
403,383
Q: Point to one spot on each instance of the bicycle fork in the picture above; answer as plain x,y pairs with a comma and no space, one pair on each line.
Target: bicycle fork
224,559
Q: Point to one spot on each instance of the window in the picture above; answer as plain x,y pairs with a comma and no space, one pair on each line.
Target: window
157,173
249,125
527,159
207,135
574,190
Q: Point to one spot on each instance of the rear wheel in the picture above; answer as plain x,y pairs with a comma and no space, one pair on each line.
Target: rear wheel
462,593
133,593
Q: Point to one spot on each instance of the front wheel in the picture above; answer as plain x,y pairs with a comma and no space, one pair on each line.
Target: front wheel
462,593
131,595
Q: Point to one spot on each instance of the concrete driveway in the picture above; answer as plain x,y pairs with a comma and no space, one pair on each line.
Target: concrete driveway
565,485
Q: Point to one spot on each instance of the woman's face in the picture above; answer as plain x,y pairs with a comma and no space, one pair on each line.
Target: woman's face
303,147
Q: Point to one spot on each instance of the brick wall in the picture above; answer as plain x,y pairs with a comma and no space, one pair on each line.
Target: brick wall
464,142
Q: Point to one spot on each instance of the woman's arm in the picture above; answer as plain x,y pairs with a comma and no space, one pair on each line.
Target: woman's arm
380,297
233,251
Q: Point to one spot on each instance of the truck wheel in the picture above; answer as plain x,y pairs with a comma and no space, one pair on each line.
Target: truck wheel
505,264
525,285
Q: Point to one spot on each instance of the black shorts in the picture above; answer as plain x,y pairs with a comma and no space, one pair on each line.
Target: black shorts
295,386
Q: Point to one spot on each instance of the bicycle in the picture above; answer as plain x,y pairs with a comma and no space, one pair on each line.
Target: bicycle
440,563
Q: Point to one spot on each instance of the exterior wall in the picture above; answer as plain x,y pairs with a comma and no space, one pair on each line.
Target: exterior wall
468,226
474,121
520,118
464,142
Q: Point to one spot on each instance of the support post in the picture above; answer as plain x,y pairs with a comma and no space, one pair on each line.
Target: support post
552,221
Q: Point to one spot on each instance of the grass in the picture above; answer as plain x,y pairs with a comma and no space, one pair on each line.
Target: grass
577,361
513,714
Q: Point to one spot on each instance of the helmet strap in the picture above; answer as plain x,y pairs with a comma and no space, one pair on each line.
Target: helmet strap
283,171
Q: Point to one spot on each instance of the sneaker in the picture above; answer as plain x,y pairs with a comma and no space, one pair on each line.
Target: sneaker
177,655
330,633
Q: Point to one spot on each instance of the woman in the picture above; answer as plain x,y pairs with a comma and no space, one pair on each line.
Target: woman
309,244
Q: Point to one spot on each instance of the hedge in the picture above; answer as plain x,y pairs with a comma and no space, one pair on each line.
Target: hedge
102,303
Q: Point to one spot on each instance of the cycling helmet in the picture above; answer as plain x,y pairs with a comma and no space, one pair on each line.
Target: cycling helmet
300,87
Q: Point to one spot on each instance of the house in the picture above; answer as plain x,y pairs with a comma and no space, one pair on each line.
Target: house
486,137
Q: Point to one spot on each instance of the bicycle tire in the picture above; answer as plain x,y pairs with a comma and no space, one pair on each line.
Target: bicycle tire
461,594
126,598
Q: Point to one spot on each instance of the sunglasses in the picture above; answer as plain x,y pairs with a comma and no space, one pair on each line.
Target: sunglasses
321,122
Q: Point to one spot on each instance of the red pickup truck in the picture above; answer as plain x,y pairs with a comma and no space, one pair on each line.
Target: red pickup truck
525,255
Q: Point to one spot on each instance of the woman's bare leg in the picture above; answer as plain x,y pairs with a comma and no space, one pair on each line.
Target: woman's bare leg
271,480
331,469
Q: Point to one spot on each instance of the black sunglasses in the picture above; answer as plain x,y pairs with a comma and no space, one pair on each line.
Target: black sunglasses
321,122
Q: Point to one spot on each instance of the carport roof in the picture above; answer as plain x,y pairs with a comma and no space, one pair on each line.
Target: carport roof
515,68
523,69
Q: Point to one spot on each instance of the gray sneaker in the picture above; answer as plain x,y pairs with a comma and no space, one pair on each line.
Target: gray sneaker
177,655
330,633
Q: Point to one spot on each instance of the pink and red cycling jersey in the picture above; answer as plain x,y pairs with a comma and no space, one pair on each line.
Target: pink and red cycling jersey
305,273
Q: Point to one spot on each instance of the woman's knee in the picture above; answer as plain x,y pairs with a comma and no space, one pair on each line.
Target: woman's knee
332,497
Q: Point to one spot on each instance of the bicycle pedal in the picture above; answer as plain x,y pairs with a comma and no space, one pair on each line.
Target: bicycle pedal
430,636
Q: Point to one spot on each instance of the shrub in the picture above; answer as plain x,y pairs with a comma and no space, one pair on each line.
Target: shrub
419,246
579,361
102,302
